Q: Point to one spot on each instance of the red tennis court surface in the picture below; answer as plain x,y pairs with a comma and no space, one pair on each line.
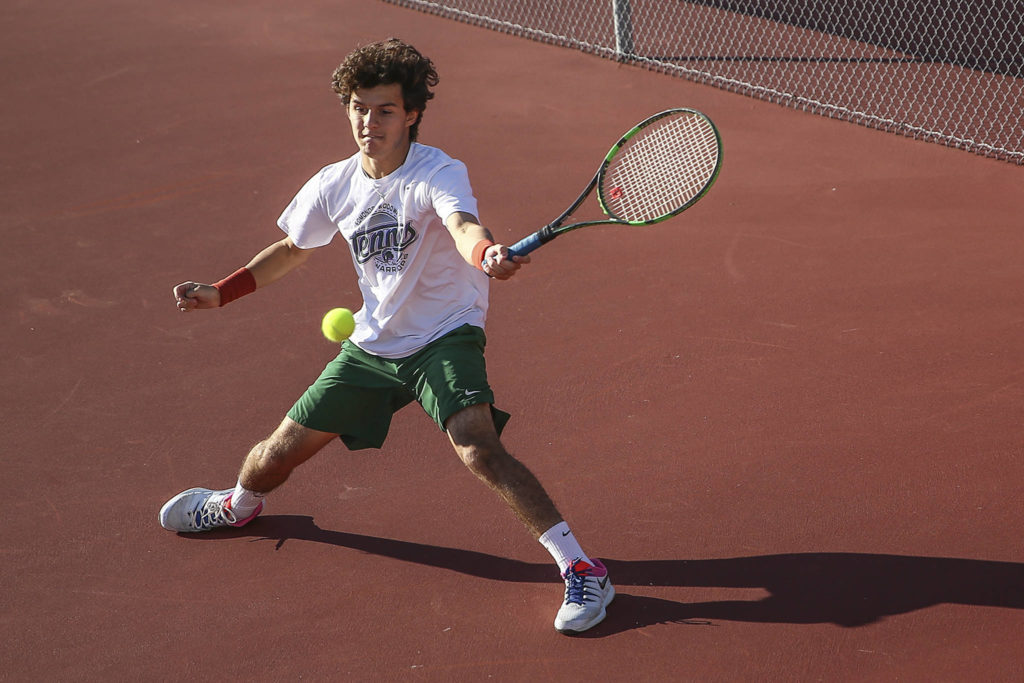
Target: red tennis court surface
789,419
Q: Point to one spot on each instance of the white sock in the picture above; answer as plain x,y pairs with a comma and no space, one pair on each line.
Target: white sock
563,546
244,502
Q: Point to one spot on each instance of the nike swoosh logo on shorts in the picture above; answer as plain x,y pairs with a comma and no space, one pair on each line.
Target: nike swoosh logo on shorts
472,393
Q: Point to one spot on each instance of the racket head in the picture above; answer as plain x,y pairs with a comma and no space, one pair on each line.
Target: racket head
660,167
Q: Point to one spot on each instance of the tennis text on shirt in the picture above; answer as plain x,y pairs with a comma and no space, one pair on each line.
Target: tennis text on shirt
383,238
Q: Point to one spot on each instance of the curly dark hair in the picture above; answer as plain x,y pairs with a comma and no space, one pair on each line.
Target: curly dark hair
383,63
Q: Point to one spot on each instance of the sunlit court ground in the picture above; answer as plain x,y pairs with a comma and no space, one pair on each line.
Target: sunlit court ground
788,419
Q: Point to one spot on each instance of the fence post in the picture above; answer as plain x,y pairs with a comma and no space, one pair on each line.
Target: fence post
622,11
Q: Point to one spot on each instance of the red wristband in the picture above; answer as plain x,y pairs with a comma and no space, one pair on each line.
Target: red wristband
478,253
235,286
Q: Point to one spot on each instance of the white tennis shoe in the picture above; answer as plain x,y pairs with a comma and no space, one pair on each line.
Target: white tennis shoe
201,510
588,591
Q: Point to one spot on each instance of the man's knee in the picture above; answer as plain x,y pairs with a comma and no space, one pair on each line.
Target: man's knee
486,461
475,439
288,446
473,424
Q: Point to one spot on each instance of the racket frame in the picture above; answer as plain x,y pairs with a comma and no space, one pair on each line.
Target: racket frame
556,227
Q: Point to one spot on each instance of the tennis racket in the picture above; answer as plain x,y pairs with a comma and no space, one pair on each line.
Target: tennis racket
658,169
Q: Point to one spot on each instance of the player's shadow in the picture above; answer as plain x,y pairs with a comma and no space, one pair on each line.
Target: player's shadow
847,589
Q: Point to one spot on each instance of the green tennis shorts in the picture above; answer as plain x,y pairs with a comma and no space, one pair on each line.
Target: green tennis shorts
358,393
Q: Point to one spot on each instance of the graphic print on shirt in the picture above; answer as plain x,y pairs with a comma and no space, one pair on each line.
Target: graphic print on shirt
381,236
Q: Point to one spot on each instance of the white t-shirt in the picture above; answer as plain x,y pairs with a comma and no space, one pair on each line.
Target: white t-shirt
416,286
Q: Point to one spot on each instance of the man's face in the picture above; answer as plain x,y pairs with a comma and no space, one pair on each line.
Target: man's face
380,123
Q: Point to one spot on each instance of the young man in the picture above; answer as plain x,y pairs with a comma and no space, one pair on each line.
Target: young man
408,215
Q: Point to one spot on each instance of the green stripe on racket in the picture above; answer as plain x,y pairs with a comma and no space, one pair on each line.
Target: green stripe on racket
658,169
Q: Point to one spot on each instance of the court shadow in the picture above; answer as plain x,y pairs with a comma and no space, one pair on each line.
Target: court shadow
846,589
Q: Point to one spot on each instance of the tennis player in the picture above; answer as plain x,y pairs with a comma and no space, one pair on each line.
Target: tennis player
409,218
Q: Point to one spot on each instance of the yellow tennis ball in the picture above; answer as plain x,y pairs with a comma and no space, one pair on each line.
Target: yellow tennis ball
338,324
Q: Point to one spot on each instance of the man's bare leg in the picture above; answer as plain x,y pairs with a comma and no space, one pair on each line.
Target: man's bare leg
588,590
271,461
267,466
472,433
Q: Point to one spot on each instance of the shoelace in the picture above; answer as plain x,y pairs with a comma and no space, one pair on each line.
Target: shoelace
213,513
576,584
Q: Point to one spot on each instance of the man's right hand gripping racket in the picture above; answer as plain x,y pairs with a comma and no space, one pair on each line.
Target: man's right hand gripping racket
658,169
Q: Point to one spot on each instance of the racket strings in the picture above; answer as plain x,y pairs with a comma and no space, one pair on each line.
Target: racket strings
661,169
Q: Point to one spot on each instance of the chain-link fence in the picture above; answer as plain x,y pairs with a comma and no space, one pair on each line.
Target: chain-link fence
948,71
